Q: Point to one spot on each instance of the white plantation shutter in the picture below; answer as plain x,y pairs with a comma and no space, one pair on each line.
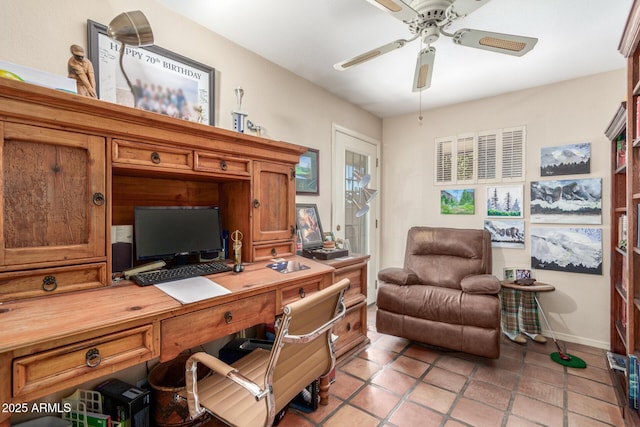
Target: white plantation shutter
513,153
487,156
465,159
444,160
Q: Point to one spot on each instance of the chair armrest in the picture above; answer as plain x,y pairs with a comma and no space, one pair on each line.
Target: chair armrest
480,284
191,373
398,276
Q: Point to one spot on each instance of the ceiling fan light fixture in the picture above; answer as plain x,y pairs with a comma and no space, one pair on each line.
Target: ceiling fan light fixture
511,45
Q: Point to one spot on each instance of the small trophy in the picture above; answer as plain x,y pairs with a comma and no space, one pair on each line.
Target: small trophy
238,114
236,238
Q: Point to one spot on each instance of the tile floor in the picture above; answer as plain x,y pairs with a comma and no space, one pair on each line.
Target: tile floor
393,382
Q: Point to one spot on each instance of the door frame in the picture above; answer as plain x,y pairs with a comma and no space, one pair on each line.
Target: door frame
374,212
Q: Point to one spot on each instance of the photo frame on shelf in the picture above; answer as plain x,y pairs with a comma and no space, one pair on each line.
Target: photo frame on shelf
164,82
309,226
308,173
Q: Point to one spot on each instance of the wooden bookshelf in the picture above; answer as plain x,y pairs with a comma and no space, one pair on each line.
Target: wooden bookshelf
624,134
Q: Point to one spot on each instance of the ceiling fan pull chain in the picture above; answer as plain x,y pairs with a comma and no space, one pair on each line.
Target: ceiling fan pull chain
420,98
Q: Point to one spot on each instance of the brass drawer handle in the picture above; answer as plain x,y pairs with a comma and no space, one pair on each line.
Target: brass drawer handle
228,317
49,283
93,358
274,253
155,158
302,293
223,165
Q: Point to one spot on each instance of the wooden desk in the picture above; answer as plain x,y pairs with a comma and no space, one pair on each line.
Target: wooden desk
45,342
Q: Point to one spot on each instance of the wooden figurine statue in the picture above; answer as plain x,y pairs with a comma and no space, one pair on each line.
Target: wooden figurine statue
81,69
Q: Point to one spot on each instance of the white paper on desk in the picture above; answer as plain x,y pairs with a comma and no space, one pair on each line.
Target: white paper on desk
192,289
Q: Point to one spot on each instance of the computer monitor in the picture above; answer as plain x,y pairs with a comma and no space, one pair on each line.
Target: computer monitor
174,232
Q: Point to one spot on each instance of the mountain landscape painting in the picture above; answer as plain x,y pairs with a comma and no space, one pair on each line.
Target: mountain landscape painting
576,250
507,233
565,159
570,201
457,202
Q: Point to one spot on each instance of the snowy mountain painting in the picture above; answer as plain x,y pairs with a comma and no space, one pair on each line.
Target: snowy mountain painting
507,233
577,250
570,201
504,201
565,159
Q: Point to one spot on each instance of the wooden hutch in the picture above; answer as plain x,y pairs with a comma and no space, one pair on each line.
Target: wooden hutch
71,168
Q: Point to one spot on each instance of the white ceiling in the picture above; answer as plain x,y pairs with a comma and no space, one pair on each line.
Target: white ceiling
576,38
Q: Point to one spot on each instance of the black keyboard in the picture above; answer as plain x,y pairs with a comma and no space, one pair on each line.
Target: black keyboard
182,272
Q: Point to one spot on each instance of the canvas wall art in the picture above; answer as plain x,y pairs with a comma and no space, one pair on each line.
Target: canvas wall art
569,201
461,202
565,159
504,201
508,233
576,250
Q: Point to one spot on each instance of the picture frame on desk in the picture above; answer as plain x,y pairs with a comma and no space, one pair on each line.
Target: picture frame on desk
150,69
308,223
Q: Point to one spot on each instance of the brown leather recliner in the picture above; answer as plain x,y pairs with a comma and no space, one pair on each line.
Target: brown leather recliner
445,294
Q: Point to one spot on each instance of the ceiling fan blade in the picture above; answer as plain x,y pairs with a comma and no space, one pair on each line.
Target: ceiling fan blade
374,53
464,7
495,42
424,69
397,8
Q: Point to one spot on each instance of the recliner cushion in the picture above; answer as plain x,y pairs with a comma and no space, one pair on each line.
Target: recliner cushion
444,256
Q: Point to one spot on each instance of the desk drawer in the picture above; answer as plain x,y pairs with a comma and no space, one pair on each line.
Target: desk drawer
357,276
292,293
137,153
273,250
42,373
352,330
224,165
51,281
193,329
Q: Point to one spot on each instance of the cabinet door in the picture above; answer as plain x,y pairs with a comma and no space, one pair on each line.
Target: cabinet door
53,196
274,201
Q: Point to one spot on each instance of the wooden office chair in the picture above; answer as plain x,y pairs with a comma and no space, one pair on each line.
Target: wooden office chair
251,391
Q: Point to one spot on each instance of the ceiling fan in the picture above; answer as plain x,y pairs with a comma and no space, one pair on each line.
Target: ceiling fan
428,19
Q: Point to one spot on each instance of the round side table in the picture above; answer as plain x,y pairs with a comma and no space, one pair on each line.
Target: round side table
535,287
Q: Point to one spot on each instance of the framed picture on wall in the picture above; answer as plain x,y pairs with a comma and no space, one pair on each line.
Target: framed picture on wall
163,82
307,173
504,201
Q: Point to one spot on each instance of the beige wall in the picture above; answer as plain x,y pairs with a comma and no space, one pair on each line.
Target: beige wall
563,113
38,34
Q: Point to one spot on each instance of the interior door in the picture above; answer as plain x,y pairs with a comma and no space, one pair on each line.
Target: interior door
356,203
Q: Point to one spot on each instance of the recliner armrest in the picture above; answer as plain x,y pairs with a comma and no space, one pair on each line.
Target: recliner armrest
398,276
480,284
